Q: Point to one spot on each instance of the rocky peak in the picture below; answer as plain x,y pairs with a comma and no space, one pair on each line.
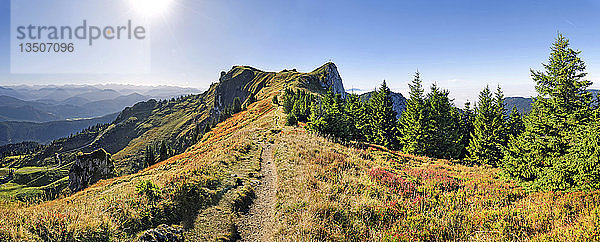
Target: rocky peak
398,99
89,168
330,78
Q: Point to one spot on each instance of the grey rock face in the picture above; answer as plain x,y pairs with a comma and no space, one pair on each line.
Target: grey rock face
398,99
89,168
332,79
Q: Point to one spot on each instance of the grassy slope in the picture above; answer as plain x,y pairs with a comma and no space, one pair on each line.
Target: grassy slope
326,191
144,124
330,191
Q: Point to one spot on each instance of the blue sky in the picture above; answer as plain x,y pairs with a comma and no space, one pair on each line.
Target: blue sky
461,45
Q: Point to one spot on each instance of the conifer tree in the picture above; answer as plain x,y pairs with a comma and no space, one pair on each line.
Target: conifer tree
487,139
583,158
149,157
562,105
355,115
500,109
163,151
466,127
291,120
315,121
383,122
443,132
514,124
413,122
331,120
288,100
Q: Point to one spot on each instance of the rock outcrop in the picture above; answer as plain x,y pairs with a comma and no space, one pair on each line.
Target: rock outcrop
331,78
89,168
398,99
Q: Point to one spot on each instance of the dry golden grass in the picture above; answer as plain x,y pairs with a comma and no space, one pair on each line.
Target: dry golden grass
104,208
330,191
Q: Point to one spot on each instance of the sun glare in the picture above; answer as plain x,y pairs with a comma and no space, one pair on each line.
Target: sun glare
151,8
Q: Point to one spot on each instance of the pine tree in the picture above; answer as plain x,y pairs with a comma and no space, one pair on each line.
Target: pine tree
443,137
301,107
330,120
291,120
315,120
562,105
500,109
413,121
488,137
355,115
466,126
164,151
288,100
583,158
514,124
149,157
383,122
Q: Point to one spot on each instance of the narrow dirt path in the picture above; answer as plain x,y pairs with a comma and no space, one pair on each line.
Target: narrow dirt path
258,223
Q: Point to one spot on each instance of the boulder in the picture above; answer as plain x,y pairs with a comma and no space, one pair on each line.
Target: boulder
89,168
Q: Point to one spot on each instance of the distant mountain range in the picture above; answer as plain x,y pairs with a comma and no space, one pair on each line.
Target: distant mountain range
45,113
54,103
12,132
523,104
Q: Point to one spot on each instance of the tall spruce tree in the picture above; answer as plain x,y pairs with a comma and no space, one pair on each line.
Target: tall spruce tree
383,122
331,120
149,157
466,127
413,122
163,151
562,105
514,124
583,158
443,131
501,115
488,137
354,111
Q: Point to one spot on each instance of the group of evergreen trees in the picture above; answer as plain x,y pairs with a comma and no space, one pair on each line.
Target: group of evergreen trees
556,146
233,108
296,104
346,118
431,125
158,152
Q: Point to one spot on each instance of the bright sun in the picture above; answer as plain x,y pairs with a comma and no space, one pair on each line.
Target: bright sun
151,8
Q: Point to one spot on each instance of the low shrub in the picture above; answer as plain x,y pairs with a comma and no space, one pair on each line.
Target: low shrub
149,190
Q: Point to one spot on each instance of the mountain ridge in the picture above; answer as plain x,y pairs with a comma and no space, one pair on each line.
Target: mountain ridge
325,190
177,122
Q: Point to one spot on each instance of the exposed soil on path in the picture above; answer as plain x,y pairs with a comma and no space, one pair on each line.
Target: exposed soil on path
258,223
